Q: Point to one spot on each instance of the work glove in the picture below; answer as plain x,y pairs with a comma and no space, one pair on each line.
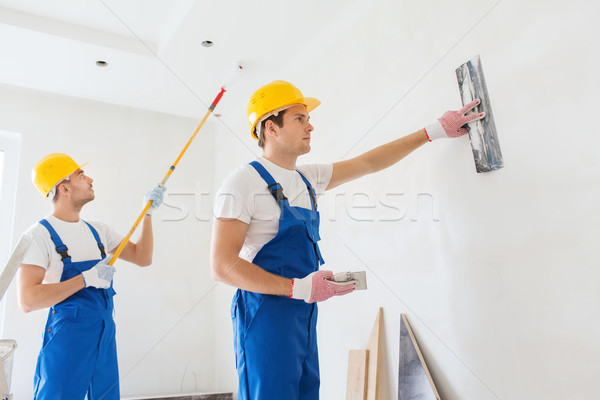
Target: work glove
319,286
100,275
156,195
450,124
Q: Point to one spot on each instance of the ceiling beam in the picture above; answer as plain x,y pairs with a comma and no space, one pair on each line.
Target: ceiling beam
78,33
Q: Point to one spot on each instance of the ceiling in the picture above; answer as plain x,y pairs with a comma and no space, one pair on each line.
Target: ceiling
153,48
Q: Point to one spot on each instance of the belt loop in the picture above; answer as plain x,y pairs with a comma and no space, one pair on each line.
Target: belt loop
75,309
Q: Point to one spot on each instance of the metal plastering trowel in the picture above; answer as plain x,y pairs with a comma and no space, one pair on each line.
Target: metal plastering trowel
484,140
360,277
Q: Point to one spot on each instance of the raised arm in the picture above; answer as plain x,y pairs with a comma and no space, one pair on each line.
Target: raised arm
449,125
140,253
377,159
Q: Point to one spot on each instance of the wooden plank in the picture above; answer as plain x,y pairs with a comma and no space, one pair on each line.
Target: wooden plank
374,348
356,384
414,379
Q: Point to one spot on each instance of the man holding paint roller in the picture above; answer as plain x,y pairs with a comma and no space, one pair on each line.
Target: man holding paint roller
265,240
66,269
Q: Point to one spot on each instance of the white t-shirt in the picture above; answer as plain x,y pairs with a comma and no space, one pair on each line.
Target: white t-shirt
78,238
244,196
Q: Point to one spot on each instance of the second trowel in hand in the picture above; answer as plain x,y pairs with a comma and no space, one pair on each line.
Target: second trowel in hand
360,277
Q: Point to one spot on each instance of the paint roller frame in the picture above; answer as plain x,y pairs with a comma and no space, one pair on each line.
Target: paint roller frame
239,67
482,133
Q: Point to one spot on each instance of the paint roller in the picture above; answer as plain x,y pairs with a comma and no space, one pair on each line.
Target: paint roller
482,133
229,78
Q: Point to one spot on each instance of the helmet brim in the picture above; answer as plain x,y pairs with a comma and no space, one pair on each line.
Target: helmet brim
311,103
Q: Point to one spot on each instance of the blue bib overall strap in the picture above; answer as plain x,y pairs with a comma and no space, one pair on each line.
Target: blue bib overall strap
98,241
311,191
276,189
61,248
275,336
311,219
79,354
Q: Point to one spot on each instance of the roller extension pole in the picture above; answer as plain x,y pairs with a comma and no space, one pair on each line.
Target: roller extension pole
167,175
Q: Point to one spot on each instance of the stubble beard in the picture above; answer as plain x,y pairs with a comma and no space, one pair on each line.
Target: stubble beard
83,200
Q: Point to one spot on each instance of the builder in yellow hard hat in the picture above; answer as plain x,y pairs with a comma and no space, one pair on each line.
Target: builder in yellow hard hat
66,269
265,240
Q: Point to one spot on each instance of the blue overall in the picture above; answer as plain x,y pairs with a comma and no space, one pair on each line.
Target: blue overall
275,337
79,354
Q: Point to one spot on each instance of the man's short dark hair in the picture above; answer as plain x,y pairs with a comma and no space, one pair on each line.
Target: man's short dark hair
277,120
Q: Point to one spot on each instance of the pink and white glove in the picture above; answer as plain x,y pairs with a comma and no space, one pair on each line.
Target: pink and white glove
319,286
450,124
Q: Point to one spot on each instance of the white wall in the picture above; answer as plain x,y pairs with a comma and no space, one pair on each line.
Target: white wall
499,279
163,313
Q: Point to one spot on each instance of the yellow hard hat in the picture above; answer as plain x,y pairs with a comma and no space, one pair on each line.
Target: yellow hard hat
273,96
52,169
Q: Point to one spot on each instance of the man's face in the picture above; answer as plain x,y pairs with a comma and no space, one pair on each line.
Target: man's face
294,135
81,188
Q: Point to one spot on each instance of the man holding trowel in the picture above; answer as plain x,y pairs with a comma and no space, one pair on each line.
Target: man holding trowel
265,240
66,269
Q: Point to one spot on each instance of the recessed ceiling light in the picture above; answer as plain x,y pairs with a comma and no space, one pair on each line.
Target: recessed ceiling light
101,63
207,43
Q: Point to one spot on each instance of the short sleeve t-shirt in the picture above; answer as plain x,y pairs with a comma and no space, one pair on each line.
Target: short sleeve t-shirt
78,238
244,196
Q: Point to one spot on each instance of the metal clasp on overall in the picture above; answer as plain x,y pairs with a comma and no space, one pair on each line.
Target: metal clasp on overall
277,192
63,250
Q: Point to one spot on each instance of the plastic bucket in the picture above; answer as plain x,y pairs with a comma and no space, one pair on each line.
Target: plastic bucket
7,349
